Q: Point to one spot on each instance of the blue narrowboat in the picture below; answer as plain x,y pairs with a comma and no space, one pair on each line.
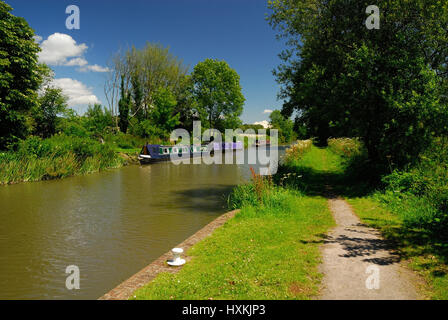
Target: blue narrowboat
153,152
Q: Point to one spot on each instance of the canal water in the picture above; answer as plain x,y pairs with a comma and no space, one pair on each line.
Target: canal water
110,224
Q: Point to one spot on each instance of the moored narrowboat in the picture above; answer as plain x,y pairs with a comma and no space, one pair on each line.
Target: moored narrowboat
153,153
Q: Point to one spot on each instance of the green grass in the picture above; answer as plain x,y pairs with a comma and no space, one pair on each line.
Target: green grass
425,253
317,173
268,252
128,151
321,160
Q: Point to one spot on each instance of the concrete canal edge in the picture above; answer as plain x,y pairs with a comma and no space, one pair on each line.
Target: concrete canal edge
147,274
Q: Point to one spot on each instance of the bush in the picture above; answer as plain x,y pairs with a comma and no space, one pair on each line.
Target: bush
348,148
420,193
296,151
254,194
145,129
355,159
74,128
99,120
124,141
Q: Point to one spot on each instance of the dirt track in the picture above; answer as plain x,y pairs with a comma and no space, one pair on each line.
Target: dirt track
353,254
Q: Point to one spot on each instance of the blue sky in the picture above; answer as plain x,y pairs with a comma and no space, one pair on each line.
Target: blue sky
230,30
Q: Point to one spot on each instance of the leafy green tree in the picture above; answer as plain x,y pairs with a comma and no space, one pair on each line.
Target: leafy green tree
137,95
217,90
187,106
163,114
230,121
51,105
146,129
72,124
283,125
124,106
385,86
300,129
99,119
254,127
20,76
149,69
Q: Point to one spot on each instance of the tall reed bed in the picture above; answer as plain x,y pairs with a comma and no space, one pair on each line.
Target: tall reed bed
58,157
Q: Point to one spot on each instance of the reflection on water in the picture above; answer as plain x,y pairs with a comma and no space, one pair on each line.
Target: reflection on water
110,225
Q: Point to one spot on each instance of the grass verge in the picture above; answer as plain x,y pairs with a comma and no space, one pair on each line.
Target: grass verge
267,252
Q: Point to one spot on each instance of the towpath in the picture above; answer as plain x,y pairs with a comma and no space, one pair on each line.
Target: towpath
358,263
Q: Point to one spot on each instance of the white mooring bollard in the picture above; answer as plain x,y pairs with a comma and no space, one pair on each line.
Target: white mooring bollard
177,260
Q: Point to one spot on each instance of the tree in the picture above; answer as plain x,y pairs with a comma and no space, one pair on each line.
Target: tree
187,106
123,108
384,86
20,76
230,121
99,119
137,95
217,90
283,125
145,71
254,127
163,114
51,104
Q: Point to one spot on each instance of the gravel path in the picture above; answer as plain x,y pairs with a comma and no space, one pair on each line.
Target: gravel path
353,255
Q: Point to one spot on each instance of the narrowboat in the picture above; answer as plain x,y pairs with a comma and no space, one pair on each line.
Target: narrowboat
153,152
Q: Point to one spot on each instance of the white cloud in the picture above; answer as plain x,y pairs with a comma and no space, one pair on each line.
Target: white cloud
77,62
94,68
267,111
264,123
77,92
58,48
62,50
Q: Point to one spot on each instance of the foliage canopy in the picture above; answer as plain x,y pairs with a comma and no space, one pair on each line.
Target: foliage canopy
385,86
20,76
217,89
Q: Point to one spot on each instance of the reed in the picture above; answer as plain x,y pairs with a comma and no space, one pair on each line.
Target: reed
56,158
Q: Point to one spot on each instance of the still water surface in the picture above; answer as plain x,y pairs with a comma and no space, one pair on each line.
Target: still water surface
110,224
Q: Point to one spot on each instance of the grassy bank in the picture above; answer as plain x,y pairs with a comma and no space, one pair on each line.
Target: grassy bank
270,250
